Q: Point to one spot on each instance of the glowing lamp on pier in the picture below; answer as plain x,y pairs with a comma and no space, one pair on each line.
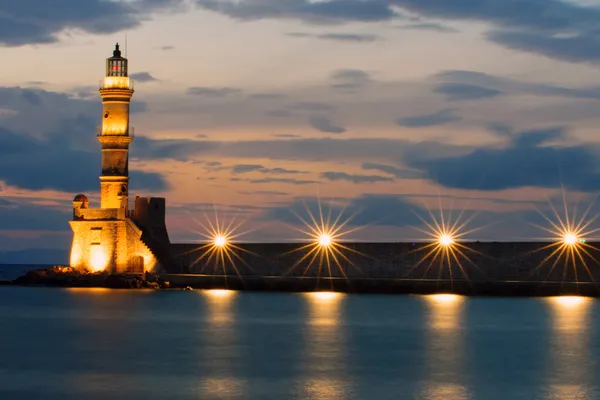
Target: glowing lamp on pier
220,240
569,235
570,239
445,248
325,249
219,249
446,239
324,240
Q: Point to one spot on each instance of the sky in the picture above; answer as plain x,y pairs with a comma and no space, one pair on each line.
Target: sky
257,110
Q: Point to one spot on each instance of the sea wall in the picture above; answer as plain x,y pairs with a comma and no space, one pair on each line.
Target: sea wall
474,261
475,268
478,268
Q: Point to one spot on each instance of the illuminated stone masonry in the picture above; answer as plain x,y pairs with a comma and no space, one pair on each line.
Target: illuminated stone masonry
113,238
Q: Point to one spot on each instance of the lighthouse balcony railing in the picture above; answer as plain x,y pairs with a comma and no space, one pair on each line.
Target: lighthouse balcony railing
116,83
100,132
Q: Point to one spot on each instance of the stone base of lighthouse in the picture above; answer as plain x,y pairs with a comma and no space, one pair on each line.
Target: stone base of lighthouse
118,240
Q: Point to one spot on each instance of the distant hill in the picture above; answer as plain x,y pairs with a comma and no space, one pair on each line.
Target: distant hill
35,256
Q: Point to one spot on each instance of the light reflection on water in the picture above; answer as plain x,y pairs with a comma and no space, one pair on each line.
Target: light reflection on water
445,344
325,347
73,344
569,365
219,351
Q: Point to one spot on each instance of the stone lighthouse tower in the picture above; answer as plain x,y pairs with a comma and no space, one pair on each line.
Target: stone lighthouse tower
114,238
116,91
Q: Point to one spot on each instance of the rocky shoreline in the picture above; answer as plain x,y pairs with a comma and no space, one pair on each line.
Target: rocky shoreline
64,276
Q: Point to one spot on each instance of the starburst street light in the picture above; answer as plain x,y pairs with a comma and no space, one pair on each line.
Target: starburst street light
220,240
445,246
220,247
568,234
324,248
324,240
570,238
446,240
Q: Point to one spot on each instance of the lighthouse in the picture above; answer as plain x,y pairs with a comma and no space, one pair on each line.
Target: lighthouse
115,134
114,238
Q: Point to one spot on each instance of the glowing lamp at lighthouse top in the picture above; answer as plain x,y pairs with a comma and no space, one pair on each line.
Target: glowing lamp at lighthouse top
116,82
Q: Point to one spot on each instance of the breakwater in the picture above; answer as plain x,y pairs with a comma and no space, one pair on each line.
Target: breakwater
473,268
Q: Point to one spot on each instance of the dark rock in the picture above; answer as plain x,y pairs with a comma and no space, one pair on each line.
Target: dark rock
151,285
122,282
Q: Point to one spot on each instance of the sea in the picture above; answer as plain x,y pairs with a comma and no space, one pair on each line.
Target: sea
58,343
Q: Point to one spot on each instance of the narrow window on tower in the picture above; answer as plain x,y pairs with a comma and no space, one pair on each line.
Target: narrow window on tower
96,235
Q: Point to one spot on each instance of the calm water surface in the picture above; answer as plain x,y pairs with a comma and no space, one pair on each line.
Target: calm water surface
102,344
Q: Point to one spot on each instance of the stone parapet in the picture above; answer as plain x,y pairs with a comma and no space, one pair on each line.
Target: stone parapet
487,261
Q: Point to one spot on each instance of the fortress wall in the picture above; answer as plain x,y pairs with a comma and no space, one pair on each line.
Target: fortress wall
149,215
99,213
135,247
489,261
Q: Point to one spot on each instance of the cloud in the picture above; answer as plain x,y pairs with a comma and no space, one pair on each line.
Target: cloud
280,113
544,15
513,86
434,119
283,171
537,26
24,214
57,149
390,169
306,149
464,91
143,77
350,79
84,92
401,213
245,168
324,124
566,30
282,180
212,92
166,48
340,37
267,96
265,193
579,48
312,106
527,160
285,135
36,164
41,21
355,178
333,11
368,209
429,26
32,97
211,166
